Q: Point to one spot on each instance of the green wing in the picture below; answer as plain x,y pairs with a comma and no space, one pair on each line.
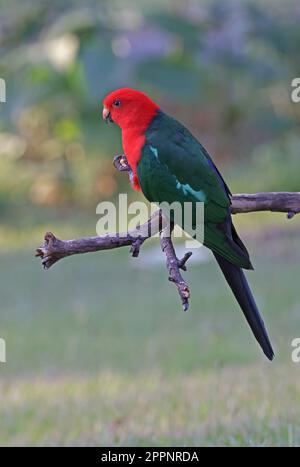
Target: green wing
175,167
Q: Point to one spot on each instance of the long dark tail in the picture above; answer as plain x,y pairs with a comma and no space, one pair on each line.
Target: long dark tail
239,286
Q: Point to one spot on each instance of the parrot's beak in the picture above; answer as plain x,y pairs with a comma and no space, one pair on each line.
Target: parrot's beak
106,115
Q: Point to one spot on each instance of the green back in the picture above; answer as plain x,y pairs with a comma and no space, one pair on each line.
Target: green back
174,166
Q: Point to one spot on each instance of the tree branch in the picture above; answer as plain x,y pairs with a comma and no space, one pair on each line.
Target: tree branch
54,249
270,201
174,265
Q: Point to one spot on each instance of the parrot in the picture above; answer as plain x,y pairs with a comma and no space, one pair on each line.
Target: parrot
168,164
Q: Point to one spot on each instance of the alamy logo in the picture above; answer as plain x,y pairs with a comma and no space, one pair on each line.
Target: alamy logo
2,351
296,352
295,94
123,217
2,341
2,90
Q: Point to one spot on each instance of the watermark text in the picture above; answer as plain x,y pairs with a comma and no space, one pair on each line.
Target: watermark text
2,351
2,90
296,352
123,217
295,94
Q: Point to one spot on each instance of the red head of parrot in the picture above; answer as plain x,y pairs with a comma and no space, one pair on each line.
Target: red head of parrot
133,112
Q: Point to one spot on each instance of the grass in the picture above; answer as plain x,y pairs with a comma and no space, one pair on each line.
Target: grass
100,353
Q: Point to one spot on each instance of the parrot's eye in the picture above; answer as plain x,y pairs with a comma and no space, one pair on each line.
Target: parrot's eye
117,103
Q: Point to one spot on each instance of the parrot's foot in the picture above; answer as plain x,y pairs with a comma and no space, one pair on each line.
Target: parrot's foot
121,164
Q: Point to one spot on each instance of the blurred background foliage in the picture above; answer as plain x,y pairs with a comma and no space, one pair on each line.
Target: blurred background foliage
223,68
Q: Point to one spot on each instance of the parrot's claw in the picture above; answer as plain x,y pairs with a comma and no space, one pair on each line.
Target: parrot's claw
120,163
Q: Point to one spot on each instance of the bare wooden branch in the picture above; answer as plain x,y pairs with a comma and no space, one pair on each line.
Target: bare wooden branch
54,249
270,201
174,265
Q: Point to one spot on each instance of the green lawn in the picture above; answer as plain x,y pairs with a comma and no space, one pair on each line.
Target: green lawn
99,352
